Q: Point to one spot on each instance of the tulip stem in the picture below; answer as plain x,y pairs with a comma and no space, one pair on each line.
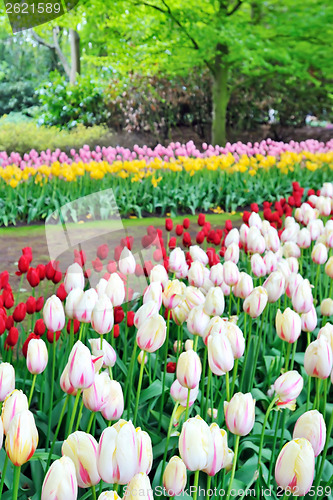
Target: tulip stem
128,384
234,377
286,361
32,388
93,491
168,439
16,481
323,457
57,431
3,474
233,470
293,355
71,335
209,481
101,346
76,402
195,485
139,388
207,391
51,392
91,419
272,403
274,447
166,345
202,403
195,343
247,336
227,385
188,403
79,416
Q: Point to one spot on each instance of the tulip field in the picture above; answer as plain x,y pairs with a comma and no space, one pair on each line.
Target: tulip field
203,371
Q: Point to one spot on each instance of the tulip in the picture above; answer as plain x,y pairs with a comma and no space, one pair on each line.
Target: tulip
324,206
327,332
304,238
153,293
270,260
151,334
316,228
275,286
197,321
214,302
142,358
220,355
283,268
291,249
145,451
173,294
294,468
21,438
196,446
255,303
189,369
302,299
258,266
220,454
95,396
189,344
174,477
60,482
74,278
117,455
144,312
158,274
311,426
232,237
232,253
198,254
239,413
84,307
230,273
288,325
287,388
109,495
179,394
236,339
139,484
65,384
196,274
318,358
293,264
243,233
180,313
272,240
255,220
329,267
107,351
53,314
255,241
72,300
37,356
113,402
81,371
177,260
7,380
126,262
216,274
115,290
326,307
82,448
292,282
101,287
244,287
193,297
319,254
102,316
309,320
15,402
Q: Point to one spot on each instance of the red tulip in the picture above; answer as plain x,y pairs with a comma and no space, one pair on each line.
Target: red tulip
50,336
39,304
9,322
23,264
116,331
97,265
61,292
179,230
40,328
26,343
12,337
111,267
19,312
201,219
76,325
168,224
33,277
41,271
31,305
118,314
57,277
130,318
102,251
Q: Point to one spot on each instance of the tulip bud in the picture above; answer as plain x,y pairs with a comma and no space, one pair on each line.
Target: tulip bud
60,482
145,451
244,287
329,267
198,254
255,220
21,438
230,273
151,334
101,287
302,299
295,467
212,414
139,483
53,314
304,238
153,293
214,302
258,266
194,297
180,394
126,262
7,380
275,286
239,413
236,339
117,455
65,384
316,228
113,402
95,396
293,264
292,282
232,253
174,477
176,260
82,448
72,300
271,262
109,495
115,290
220,455
107,351
196,274
196,445
291,249
309,320
232,237
318,359
141,356
14,403
180,313
81,370
197,321
158,274
173,294
37,356
288,325
319,254
189,369
312,427
74,278
255,303
144,312
288,387
272,240
220,355
84,307
216,274
255,241
326,307
327,332
102,315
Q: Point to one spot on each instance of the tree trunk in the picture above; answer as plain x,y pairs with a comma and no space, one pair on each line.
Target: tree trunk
220,103
75,55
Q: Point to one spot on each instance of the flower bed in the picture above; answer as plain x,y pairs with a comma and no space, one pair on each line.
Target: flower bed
218,375
177,178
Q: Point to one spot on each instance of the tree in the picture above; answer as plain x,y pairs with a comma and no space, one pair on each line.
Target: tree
260,38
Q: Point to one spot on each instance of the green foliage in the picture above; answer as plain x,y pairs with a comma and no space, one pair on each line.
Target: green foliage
24,136
65,105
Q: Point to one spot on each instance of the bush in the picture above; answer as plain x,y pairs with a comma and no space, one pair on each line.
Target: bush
65,105
16,96
22,137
